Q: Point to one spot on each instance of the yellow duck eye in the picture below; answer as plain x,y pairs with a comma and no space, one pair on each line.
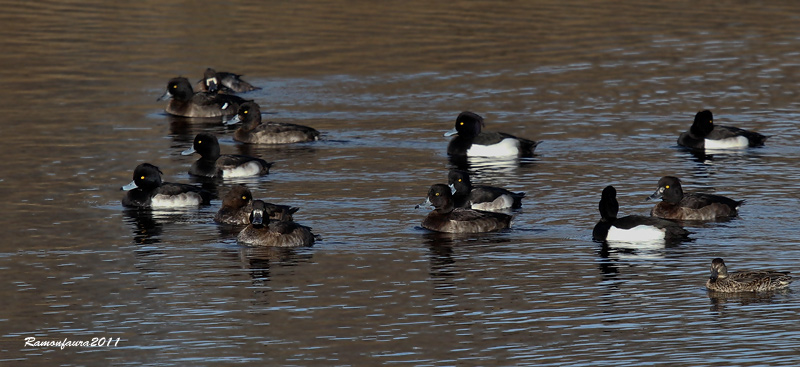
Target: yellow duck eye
437,194
244,197
461,123
199,142
245,112
666,187
459,180
174,86
141,178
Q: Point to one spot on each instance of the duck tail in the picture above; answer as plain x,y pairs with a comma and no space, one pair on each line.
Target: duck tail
527,146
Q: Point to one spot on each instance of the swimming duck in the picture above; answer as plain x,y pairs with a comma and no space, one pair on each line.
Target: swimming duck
265,232
481,197
676,205
631,228
214,164
705,135
473,142
745,281
147,190
446,218
255,132
223,82
237,205
210,83
185,102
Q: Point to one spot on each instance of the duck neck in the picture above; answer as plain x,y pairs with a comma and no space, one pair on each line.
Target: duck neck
251,122
701,129
446,207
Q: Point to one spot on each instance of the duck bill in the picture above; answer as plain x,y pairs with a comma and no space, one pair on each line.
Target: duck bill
452,189
451,132
129,186
212,85
233,120
427,202
656,195
164,96
189,151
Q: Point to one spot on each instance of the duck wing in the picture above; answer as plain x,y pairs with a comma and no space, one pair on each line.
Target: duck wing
235,82
489,193
725,132
764,280
526,146
465,215
169,188
490,138
761,275
229,102
282,127
233,160
755,139
630,221
698,200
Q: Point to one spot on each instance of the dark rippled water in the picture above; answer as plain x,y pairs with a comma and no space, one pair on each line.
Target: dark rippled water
608,86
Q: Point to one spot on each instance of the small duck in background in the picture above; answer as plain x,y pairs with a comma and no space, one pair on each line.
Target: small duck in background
210,83
632,228
676,205
263,231
237,205
183,101
223,82
213,164
445,217
147,190
705,135
745,281
253,131
481,197
471,141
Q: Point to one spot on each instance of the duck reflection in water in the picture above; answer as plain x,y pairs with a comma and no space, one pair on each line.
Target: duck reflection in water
707,158
146,230
264,263
719,300
182,130
449,255
494,165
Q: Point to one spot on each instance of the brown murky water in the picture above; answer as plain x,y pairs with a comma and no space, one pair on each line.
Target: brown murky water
608,86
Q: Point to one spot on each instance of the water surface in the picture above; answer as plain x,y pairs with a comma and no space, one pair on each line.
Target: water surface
607,86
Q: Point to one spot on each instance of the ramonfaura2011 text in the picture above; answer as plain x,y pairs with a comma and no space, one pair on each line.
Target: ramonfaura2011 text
31,341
